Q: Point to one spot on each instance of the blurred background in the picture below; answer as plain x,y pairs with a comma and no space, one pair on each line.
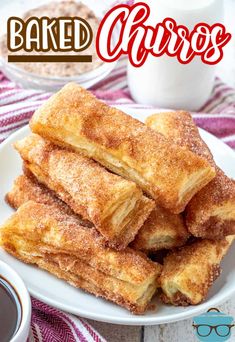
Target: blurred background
226,68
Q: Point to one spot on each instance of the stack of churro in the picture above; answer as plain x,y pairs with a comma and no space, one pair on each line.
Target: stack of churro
189,272
101,191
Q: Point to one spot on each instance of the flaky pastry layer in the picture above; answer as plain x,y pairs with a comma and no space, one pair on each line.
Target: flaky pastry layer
42,234
27,189
115,206
76,119
189,272
211,212
162,230
46,224
80,274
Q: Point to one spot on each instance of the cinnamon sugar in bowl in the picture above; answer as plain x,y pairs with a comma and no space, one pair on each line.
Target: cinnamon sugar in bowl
51,76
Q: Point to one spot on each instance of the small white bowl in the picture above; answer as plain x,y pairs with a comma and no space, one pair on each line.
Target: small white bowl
18,285
30,80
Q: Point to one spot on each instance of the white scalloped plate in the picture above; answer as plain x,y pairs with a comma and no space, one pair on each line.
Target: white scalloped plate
59,294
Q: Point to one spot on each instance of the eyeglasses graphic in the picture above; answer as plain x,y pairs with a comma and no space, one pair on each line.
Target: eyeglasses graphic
205,330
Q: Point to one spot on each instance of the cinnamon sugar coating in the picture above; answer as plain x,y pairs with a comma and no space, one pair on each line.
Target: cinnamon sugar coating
28,189
76,119
115,206
54,9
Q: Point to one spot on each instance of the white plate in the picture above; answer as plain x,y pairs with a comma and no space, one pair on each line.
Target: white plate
59,294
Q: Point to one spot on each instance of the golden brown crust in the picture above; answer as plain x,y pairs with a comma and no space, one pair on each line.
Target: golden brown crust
26,189
75,118
162,230
114,205
41,234
47,224
180,128
211,212
189,272
83,277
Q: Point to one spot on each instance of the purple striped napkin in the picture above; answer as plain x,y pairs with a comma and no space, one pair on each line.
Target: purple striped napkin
51,325
17,106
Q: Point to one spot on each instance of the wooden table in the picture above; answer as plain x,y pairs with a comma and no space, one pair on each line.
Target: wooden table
174,332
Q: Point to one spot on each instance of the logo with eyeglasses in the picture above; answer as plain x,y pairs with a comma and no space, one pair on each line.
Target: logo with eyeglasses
213,326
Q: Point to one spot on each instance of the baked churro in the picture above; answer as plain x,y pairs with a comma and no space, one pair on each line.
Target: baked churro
27,189
189,272
40,234
76,119
115,206
162,230
211,212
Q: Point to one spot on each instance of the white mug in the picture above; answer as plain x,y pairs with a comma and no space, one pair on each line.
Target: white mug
163,81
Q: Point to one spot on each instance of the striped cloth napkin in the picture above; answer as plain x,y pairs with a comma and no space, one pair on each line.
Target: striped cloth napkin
52,325
17,106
